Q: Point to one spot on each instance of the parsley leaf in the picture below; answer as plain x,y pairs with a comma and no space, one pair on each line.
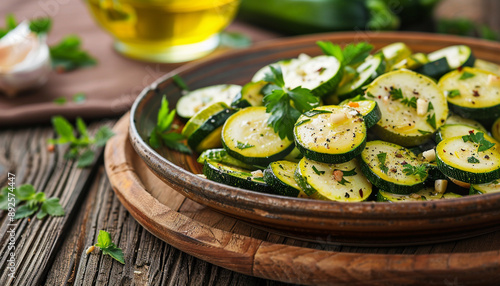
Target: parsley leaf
41,25
381,158
431,120
479,139
349,172
472,160
350,55
279,100
396,93
161,134
411,170
318,172
108,247
79,147
412,102
453,93
180,82
68,55
242,146
466,75
423,132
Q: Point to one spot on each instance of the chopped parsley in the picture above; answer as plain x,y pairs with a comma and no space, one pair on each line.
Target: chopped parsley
412,102
453,93
241,145
396,93
466,75
381,158
472,160
479,139
420,170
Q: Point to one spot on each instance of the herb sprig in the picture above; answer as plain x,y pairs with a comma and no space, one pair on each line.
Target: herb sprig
279,101
68,55
381,158
162,134
479,139
80,147
420,170
39,25
350,55
107,247
34,201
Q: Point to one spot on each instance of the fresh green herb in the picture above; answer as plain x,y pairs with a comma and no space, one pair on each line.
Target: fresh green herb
344,181
420,170
350,55
302,122
180,82
382,156
479,139
369,94
235,40
10,24
431,120
68,55
242,146
318,172
472,160
396,93
430,107
108,247
79,146
160,135
41,25
453,93
311,113
60,100
466,75
350,172
79,97
423,132
412,102
34,202
279,103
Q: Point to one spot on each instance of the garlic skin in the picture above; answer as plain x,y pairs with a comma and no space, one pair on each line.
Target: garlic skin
24,60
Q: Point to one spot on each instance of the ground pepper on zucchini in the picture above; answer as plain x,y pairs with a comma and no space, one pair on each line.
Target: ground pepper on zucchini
392,138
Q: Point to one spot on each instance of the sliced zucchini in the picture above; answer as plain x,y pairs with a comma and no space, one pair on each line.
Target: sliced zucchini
320,74
412,62
473,93
220,156
247,137
495,129
412,107
435,69
447,59
235,176
336,182
453,130
486,188
280,176
434,173
395,53
203,130
286,65
196,100
426,194
457,119
250,95
465,162
383,163
294,156
330,134
487,66
370,69
368,108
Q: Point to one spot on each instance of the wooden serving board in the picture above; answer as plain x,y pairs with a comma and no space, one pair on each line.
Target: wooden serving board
238,246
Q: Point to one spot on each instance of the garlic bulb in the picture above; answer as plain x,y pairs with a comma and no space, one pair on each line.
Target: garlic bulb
24,60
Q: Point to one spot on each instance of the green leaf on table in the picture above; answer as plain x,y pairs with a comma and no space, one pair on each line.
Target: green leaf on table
4,198
25,192
79,97
108,247
41,25
25,210
82,128
64,129
85,159
52,207
60,100
235,40
103,135
68,55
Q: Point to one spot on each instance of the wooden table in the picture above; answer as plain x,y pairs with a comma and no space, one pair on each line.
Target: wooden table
52,251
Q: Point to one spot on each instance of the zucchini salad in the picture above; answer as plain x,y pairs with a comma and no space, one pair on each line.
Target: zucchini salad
354,125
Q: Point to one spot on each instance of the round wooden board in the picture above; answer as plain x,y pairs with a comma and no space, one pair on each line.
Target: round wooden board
233,244
347,223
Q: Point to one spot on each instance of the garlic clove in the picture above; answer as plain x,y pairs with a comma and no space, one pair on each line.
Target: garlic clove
24,60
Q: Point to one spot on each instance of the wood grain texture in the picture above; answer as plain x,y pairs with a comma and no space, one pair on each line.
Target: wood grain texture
279,258
387,223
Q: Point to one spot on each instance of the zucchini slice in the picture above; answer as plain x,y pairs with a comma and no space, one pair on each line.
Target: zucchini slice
250,95
203,130
395,53
426,194
463,161
247,137
453,130
235,176
487,66
330,134
370,69
457,119
435,69
412,107
486,188
495,129
412,62
383,163
473,93
294,156
368,108
196,100
280,176
320,74
220,156
457,56
335,182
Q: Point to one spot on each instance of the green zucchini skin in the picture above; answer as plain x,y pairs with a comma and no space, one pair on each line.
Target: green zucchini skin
250,95
280,176
371,117
234,176
220,155
215,121
435,69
